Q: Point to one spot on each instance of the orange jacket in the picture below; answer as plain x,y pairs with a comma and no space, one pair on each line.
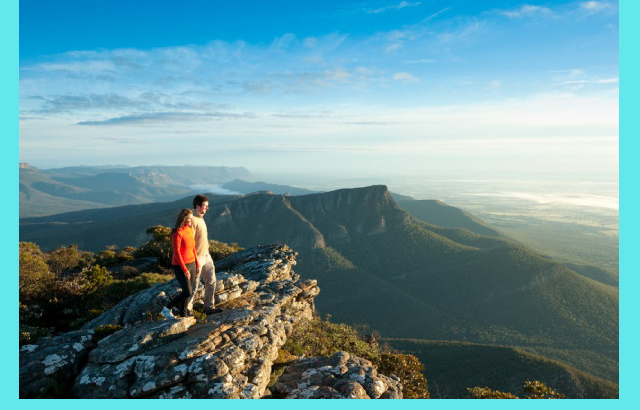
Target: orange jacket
184,248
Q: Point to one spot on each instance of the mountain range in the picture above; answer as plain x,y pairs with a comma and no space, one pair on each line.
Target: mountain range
52,191
453,278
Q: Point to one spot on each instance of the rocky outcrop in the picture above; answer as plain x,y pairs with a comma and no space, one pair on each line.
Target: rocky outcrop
340,376
53,362
228,355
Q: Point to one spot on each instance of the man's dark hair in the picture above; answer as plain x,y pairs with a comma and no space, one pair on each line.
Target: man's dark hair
199,200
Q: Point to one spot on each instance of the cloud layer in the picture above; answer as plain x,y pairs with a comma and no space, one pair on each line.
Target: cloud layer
432,84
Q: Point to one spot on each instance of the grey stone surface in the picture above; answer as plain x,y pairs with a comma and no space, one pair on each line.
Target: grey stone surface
230,355
340,376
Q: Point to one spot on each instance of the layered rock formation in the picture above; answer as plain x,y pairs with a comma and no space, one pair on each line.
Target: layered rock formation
230,355
340,376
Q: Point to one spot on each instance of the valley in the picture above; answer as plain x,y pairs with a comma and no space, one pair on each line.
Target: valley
450,279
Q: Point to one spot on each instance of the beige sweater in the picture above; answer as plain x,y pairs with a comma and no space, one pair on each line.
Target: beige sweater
200,234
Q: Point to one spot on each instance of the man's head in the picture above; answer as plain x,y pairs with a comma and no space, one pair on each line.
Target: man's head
201,204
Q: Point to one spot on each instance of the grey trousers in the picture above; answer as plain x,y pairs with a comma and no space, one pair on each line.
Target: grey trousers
208,276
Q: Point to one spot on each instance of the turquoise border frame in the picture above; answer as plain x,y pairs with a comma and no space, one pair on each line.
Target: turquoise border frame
629,56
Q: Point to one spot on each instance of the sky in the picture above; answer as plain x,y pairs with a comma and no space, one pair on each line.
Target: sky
403,88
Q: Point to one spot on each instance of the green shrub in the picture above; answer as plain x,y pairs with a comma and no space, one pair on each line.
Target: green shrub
158,247
67,258
487,393
318,337
538,390
98,276
109,295
532,389
126,254
220,250
34,275
408,369
107,257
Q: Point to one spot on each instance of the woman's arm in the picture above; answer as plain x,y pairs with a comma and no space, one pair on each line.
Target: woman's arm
195,255
177,243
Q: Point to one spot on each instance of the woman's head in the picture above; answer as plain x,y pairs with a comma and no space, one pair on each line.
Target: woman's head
184,218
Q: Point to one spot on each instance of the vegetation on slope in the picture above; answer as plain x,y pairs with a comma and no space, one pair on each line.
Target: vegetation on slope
454,366
406,278
63,289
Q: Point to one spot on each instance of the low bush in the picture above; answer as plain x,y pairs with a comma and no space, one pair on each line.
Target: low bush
532,390
220,250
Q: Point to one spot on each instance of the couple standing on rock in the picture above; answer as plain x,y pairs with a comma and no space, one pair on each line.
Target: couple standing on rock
191,259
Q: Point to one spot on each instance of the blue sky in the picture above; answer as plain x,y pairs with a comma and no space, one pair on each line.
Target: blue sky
337,87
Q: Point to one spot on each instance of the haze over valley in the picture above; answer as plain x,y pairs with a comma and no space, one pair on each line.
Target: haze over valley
447,170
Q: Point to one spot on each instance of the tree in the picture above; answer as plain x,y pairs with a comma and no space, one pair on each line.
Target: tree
35,276
64,258
158,247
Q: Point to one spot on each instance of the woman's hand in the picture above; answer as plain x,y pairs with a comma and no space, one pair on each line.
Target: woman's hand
186,274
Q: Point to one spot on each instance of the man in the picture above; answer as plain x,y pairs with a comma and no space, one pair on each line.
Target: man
207,270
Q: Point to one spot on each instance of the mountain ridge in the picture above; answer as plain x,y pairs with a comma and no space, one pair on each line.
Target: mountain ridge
59,190
445,283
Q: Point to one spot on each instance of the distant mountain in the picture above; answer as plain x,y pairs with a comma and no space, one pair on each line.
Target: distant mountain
379,266
438,213
244,187
595,273
46,192
452,367
51,197
161,174
24,165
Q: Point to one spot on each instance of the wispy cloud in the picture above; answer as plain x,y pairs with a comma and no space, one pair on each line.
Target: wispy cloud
70,103
526,10
421,61
395,7
405,78
576,79
167,117
595,5
122,140
339,85
595,81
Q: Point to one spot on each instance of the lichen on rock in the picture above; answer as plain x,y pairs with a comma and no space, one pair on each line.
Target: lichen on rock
230,355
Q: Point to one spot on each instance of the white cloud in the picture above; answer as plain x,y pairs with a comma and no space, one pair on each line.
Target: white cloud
337,74
405,78
363,70
393,47
469,32
283,41
595,5
421,61
399,6
594,81
526,10
313,59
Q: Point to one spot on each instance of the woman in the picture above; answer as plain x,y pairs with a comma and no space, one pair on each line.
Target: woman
184,262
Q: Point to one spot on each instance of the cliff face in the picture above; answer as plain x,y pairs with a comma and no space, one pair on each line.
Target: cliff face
230,355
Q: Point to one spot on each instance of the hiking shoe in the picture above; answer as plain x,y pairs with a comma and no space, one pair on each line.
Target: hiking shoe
211,311
167,313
